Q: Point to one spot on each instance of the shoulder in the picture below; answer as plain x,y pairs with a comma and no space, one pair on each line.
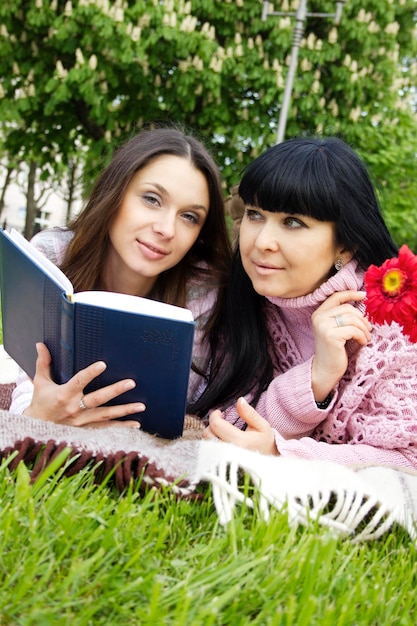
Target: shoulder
53,243
202,290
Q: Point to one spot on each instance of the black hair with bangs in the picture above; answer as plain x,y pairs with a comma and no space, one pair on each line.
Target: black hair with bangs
322,178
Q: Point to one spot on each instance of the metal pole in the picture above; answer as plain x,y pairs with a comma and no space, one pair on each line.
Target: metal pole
338,14
298,32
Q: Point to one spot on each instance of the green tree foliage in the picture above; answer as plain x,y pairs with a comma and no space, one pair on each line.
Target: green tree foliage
89,72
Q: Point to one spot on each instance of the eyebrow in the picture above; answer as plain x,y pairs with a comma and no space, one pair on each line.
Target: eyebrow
164,192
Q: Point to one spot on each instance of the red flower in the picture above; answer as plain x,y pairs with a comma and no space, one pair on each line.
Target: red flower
391,292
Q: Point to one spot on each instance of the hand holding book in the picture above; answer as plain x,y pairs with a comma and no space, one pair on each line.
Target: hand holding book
153,227
103,348
63,403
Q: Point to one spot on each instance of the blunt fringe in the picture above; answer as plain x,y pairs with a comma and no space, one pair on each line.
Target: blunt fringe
322,178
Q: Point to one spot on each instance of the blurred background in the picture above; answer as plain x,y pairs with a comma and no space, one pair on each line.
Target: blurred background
78,77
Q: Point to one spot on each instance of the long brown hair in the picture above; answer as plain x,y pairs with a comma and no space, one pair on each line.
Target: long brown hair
87,252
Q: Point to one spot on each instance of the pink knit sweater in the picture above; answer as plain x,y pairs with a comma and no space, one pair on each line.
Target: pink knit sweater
200,300
373,413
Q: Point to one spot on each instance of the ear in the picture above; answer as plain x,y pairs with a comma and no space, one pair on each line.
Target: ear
344,255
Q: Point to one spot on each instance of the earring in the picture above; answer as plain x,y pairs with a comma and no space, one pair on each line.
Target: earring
338,265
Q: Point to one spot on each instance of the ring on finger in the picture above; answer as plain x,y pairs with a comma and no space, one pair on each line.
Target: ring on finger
81,404
340,321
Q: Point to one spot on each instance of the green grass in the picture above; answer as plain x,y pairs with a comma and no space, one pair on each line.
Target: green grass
74,553
77,554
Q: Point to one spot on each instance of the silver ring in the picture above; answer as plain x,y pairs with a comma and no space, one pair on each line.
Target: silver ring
339,321
81,404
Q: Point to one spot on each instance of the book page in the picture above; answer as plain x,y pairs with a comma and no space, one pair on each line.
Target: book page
106,299
40,260
133,304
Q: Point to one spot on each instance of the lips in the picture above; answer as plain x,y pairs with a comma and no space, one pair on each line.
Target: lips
151,250
266,267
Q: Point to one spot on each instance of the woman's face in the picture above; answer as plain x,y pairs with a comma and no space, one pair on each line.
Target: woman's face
286,255
161,216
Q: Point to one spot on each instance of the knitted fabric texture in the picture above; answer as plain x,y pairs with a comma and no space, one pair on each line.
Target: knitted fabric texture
377,398
376,401
374,404
8,374
361,503
115,454
6,391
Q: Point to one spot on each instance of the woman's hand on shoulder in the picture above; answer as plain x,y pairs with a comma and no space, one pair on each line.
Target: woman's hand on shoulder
335,322
258,436
67,404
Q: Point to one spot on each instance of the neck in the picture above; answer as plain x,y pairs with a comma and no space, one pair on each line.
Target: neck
133,285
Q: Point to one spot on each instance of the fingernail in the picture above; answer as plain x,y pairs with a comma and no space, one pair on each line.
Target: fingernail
139,408
100,366
130,384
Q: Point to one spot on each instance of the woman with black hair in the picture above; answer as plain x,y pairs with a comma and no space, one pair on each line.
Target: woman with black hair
292,339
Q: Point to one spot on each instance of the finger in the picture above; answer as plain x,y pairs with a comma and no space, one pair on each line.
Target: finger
225,431
101,414
347,333
105,394
251,416
80,380
343,297
215,418
43,362
110,423
351,318
208,434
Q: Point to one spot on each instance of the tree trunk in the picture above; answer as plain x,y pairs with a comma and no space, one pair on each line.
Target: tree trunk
31,208
71,189
9,173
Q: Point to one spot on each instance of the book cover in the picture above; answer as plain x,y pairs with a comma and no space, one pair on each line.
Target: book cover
138,338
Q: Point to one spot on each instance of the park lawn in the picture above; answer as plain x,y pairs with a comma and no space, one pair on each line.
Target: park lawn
79,554
75,553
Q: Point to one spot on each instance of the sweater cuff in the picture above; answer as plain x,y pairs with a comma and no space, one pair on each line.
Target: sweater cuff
290,404
343,454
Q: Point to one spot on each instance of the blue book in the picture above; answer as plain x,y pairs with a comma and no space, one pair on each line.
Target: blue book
148,341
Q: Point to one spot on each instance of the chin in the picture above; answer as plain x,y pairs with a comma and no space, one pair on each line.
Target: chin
266,293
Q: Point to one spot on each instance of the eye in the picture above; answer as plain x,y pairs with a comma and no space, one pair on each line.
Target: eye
253,215
193,218
293,222
152,199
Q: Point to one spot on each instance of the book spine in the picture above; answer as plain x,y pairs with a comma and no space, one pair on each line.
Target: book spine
67,341
52,323
89,322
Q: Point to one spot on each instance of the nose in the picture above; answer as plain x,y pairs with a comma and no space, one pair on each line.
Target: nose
165,225
267,238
